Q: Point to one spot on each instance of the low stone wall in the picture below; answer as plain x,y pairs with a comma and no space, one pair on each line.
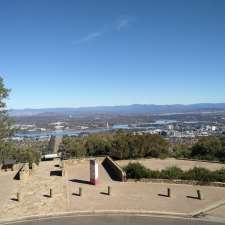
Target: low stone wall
188,182
71,162
114,170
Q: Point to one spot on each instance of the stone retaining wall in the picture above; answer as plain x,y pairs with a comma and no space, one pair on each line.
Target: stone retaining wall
114,170
71,162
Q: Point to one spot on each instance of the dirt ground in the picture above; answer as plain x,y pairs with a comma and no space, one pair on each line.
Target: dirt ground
127,196
159,164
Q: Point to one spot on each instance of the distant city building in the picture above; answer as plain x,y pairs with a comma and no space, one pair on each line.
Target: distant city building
170,126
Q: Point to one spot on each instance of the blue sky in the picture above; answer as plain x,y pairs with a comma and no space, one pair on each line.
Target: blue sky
71,53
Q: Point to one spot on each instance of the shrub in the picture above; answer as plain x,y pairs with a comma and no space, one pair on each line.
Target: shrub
181,151
199,174
219,175
172,173
207,148
136,171
154,174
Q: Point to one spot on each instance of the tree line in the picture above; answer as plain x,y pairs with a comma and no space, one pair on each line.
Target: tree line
122,145
207,148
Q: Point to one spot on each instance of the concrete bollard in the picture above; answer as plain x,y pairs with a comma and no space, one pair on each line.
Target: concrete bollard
200,197
169,192
18,197
109,190
51,193
80,191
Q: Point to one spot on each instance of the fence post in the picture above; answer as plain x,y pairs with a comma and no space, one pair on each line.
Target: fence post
18,196
80,191
200,197
109,190
169,192
51,193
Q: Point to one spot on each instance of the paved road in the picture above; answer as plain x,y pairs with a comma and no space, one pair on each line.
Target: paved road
114,220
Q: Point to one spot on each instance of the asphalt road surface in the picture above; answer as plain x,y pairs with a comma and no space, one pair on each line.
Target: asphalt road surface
113,220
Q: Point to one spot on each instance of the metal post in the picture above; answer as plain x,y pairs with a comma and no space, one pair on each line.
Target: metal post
51,193
109,190
18,196
200,197
169,192
80,191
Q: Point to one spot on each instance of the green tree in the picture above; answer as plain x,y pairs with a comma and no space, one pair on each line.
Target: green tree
136,146
72,147
98,144
155,146
120,146
220,154
181,151
5,122
208,148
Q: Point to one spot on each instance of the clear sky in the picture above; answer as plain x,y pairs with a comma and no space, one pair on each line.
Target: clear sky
69,53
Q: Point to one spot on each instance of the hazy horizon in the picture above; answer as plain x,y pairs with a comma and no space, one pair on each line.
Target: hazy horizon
134,104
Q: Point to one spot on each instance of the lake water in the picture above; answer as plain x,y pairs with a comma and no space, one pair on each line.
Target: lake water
142,126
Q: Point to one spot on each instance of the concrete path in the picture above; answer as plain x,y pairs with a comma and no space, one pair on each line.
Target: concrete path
218,212
8,186
127,197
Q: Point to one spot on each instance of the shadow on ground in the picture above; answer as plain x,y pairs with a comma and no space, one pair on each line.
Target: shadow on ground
110,172
163,195
192,197
17,176
56,173
47,196
75,194
104,193
80,181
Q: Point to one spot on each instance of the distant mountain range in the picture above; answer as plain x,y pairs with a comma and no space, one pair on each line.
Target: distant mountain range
123,109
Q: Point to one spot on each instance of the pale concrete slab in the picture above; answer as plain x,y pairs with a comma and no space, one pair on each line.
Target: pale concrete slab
219,212
7,187
134,195
143,196
34,194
